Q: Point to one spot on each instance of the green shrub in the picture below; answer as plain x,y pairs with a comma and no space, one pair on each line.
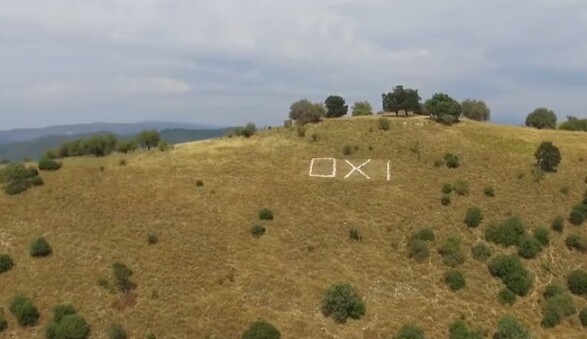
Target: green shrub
451,160
577,282
509,328
36,181
16,187
473,217
445,200
49,165
199,183
152,239
126,146
301,131
121,274
529,247
116,331
70,326
257,230
6,263
552,290
547,156
261,329
507,296
542,235
410,332
513,274
450,250
383,124
461,187
164,146
508,233
61,311
265,214
455,280
489,191
247,131
558,224
347,150
25,311
576,242
418,250
583,317
355,234
460,330
39,247
342,302
556,309
14,171
481,252
447,188
425,234
3,323
576,217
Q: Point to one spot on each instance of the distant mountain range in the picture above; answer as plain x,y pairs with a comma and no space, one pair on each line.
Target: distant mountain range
27,134
36,142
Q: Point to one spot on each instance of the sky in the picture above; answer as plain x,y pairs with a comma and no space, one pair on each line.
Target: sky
229,62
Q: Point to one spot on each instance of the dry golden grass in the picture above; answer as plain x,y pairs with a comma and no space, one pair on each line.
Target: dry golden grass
209,278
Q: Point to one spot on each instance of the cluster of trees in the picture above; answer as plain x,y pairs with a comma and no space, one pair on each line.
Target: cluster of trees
102,145
440,107
544,118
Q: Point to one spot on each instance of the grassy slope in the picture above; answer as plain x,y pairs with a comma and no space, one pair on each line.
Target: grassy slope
212,278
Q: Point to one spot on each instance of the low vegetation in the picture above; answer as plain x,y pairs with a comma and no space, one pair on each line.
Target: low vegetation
460,330
25,312
40,247
455,280
508,233
451,252
261,329
410,332
577,282
6,263
481,252
17,178
67,324
342,302
513,274
473,217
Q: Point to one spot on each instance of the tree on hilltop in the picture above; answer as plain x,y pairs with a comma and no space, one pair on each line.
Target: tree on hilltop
401,98
304,112
443,108
362,108
335,106
541,118
476,110
148,138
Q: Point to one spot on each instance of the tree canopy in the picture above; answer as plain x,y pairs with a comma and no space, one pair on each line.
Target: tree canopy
574,124
541,118
335,106
304,112
402,99
148,138
476,110
444,108
362,108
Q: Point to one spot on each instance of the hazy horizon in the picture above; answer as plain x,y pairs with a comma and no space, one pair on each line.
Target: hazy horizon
228,62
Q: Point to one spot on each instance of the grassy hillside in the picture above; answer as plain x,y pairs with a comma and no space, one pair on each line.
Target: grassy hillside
207,277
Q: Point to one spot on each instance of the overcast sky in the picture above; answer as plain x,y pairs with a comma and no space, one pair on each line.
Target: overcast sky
228,62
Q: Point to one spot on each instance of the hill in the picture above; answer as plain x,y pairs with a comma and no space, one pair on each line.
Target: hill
207,277
33,149
27,134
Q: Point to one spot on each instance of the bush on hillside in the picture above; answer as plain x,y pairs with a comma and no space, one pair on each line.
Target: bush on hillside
410,332
383,124
6,263
122,274
116,331
451,160
489,191
577,282
3,323
199,183
558,224
548,156
445,200
473,217
418,250
455,280
461,187
355,234
342,302
529,247
451,252
507,233
152,239
442,108
164,146
556,309
576,242
510,328
583,317
257,230
16,187
347,150
126,146
362,108
49,165
71,326
447,188
506,296
14,171
577,217
261,329
541,118
265,214
247,131
481,252
542,235
25,312
574,124
425,234
513,274
148,138
304,112
39,247
37,181
460,330
553,289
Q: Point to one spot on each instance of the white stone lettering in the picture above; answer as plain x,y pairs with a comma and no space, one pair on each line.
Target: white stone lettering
358,169
333,173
